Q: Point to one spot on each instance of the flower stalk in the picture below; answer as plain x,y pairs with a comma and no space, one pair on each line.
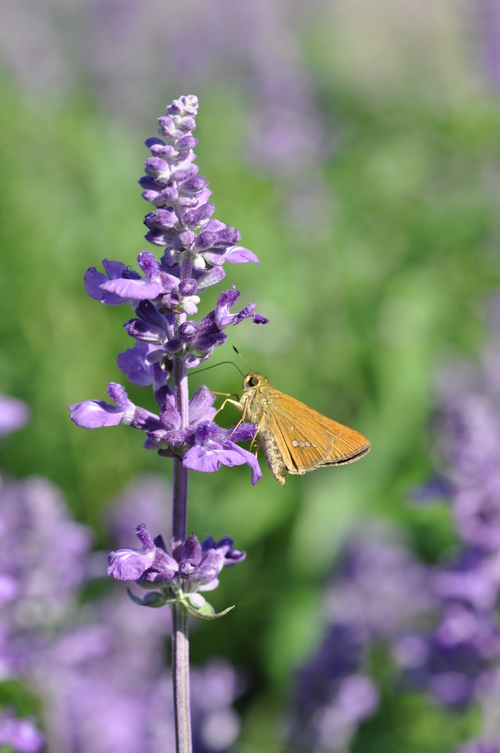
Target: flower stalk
180,628
180,678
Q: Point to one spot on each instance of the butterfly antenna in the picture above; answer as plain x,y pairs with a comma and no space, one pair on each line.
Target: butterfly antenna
240,356
213,366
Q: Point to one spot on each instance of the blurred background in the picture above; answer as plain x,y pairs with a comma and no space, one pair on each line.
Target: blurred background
356,146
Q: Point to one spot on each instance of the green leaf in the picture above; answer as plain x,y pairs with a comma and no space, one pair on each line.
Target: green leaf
205,611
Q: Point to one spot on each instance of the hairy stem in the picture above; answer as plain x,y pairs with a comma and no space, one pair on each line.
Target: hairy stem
180,636
180,679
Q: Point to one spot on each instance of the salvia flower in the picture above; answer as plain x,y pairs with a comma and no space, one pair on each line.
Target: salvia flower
193,567
164,296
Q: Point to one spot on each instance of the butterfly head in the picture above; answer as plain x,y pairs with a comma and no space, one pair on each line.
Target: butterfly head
252,381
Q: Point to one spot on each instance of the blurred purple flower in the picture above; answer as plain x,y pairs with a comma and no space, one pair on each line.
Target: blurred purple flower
332,694
478,746
378,590
14,414
380,585
43,560
455,661
489,28
20,735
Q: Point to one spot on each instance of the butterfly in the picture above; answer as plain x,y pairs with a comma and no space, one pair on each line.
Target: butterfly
294,437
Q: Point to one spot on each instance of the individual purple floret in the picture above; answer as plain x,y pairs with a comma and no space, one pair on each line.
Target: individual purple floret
214,447
20,735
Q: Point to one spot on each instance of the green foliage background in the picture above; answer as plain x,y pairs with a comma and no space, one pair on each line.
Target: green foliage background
365,305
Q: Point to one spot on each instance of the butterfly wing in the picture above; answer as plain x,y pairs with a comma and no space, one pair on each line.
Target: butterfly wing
306,439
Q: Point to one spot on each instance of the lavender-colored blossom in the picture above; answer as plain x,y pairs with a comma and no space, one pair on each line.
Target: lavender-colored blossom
14,414
195,341
215,723
468,441
182,218
21,735
95,280
193,567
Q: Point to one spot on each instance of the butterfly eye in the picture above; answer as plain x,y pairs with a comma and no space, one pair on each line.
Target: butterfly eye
253,381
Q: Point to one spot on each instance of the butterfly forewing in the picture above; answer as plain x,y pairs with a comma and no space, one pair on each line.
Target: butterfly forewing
313,440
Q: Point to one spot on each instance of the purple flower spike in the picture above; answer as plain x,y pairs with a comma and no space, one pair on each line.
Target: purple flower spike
163,299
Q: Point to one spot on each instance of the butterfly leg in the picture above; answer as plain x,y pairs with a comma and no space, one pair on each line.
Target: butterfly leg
257,431
228,396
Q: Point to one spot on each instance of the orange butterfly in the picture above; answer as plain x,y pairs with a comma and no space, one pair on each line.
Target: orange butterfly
295,438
